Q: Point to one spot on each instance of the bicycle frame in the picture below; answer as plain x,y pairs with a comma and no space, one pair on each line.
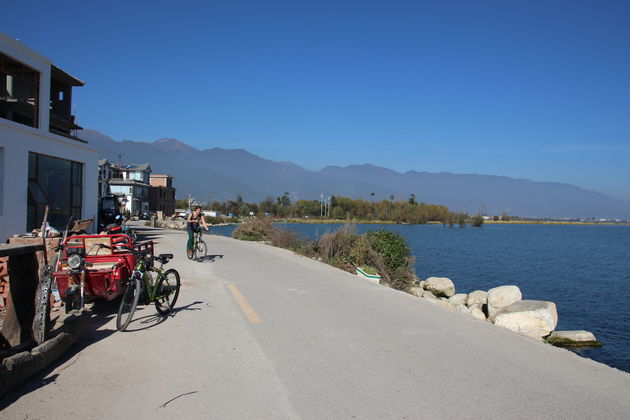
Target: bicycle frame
141,271
162,291
196,238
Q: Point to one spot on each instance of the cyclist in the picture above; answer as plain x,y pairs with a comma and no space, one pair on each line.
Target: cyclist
192,226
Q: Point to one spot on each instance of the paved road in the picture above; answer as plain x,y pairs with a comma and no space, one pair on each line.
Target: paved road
262,333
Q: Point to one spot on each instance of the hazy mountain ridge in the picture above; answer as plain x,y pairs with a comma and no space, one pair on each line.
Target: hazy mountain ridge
221,174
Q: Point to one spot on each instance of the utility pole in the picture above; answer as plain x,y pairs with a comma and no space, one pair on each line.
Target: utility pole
321,205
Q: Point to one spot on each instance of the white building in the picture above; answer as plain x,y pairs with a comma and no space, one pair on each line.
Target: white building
41,161
132,181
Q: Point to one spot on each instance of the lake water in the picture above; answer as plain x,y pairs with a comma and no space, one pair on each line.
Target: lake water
585,270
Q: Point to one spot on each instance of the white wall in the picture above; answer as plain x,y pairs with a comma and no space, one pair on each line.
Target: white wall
17,143
17,140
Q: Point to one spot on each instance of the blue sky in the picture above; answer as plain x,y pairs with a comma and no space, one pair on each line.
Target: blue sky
527,89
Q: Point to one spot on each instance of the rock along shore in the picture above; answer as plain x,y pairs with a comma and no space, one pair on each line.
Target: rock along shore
504,306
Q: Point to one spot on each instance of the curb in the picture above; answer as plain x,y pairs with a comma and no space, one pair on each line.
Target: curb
18,368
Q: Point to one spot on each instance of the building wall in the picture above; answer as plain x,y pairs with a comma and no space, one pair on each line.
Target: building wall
161,181
162,199
17,140
16,144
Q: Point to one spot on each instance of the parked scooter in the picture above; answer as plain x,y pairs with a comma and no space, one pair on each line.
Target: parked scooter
121,227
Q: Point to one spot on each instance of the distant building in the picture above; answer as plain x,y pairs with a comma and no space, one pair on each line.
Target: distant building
162,194
131,181
42,161
106,172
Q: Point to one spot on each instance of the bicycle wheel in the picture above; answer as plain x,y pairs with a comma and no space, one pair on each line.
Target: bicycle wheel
201,250
128,304
167,291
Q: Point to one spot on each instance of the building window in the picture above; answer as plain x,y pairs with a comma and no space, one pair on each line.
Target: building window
57,183
19,92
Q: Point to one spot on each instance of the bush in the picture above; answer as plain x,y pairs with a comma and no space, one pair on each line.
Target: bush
391,247
338,243
361,252
288,239
255,230
395,258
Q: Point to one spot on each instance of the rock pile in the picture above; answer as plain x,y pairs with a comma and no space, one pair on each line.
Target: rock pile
503,306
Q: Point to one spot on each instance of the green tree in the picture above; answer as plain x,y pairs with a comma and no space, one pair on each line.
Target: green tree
266,206
477,221
285,200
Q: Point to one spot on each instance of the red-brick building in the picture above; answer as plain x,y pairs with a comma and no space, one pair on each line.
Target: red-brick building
162,194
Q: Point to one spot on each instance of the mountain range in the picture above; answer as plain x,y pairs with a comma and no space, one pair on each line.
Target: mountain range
222,174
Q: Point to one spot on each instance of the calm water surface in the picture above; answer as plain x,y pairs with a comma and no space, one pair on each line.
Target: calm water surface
585,270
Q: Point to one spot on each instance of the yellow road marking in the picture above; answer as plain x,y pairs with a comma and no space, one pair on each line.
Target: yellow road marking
245,306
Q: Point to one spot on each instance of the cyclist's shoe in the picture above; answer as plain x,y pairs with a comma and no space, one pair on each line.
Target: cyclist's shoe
190,253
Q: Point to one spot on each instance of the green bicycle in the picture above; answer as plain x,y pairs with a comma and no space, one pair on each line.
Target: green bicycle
163,291
199,249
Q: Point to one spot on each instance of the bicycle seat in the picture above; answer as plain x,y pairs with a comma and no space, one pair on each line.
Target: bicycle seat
163,258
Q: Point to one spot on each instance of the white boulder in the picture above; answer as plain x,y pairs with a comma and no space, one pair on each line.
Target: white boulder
440,286
478,297
502,296
415,290
462,309
428,295
477,312
533,318
458,299
442,303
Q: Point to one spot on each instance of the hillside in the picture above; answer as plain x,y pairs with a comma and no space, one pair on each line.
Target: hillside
222,174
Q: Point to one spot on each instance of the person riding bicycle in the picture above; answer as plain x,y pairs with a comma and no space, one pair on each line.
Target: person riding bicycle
192,226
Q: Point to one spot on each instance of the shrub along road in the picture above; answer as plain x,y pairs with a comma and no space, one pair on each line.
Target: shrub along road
263,333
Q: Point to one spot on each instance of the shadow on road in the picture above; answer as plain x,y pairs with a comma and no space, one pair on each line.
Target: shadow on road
148,235
188,307
154,319
103,312
208,258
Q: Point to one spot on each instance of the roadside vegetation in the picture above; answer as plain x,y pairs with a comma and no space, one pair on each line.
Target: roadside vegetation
380,252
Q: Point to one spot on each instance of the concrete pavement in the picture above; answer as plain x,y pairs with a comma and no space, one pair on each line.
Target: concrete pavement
264,333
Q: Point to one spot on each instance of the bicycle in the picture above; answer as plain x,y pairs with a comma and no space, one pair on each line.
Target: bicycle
163,291
199,249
